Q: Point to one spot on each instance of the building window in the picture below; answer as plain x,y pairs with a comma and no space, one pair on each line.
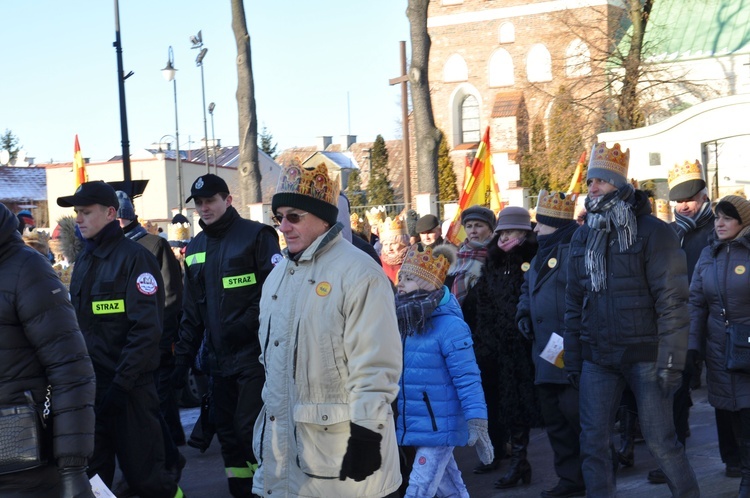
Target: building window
539,64
501,69
507,33
470,119
577,59
455,69
654,159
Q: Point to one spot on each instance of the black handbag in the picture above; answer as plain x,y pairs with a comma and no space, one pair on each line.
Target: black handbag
23,441
737,349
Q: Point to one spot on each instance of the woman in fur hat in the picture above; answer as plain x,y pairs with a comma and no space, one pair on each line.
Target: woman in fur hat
720,294
503,354
440,401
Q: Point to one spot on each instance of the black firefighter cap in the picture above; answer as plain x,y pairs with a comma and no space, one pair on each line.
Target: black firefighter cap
96,192
208,185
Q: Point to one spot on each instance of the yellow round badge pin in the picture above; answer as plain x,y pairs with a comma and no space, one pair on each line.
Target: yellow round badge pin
525,266
740,269
552,262
323,289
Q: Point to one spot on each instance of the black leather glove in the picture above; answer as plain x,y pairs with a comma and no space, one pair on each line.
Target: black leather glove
114,402
362,456
575,379
524,326
74,483
178,379
669,381
692,360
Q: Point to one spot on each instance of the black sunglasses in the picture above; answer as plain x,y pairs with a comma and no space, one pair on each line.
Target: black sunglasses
292,218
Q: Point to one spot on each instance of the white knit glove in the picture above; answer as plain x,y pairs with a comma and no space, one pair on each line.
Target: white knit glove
479,437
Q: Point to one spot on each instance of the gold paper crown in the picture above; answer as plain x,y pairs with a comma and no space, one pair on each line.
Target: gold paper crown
683,172
376,215
556,205
360,225
178,231
613,159
391,228
313,183
426,265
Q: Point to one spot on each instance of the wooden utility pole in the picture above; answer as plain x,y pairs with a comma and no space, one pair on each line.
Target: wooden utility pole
403,80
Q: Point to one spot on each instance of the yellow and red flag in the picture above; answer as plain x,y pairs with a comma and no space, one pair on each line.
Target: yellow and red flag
480,187
79,170
575,182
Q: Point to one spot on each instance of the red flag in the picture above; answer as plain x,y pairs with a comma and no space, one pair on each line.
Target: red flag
480,188
79,170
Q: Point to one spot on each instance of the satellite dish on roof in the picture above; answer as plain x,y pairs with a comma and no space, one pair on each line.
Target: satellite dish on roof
4,157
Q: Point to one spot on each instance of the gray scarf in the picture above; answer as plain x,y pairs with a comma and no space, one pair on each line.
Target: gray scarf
614,210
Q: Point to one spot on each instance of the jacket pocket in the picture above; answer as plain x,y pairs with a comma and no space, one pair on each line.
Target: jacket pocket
635,318
321,432
259,431
427,403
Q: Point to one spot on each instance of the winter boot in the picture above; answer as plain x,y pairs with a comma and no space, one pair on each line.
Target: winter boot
626,453
519,469
745,462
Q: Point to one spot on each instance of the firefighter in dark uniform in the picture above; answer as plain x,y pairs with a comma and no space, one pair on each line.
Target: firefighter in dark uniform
225,267
118,294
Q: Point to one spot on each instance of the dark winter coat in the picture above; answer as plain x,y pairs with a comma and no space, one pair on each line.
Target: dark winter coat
226,265
118,295
42,345
543,301
642,314
171,274
694,242
731,259
490,311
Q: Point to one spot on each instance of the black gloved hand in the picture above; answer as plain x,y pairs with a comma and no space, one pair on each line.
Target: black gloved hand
524,326
74,483
362,456
575,379
669,381
692,361
178,379
115,400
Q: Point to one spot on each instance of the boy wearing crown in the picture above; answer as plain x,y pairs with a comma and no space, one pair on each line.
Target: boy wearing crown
332,355
441,401
540,316
225,267
626,323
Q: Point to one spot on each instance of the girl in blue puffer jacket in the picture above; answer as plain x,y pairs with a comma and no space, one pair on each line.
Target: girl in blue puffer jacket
440,402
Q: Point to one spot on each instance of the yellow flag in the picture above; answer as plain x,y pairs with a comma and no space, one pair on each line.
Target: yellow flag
79,170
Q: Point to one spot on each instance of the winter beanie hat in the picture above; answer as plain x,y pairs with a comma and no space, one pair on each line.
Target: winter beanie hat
740,206
513,218
478,213
126,211
555,209
610,165
310,190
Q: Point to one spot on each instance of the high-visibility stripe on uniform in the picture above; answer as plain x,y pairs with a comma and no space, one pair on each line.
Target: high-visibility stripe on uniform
107,307
179,493
238,281
195,258
242,472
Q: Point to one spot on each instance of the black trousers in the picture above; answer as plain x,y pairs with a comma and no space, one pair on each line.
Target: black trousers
562,422
135,438
236,403
490,385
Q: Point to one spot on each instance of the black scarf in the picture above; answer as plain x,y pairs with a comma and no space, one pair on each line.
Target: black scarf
548,243
414,309
613,210
686,224
220,226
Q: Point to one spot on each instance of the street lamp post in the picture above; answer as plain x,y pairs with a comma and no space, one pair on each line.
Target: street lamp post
211,108
197,42
169,75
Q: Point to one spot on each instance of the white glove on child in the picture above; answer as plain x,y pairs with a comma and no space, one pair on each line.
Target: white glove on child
479,437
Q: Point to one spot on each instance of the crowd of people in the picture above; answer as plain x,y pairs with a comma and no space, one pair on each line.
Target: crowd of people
349,354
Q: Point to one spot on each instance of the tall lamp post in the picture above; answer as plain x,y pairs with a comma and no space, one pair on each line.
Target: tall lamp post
197,42
211,108
169,75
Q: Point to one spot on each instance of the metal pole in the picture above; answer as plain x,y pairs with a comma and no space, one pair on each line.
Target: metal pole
177,148
205,121
121,77
213,136
405,120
